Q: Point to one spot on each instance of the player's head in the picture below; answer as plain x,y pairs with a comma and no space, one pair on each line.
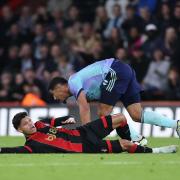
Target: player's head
23,123
58,87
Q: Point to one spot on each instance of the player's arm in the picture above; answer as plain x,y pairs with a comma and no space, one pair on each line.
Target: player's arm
19,149
59,121
104,109
84,108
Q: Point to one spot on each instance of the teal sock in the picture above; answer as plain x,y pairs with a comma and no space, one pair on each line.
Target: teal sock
154,118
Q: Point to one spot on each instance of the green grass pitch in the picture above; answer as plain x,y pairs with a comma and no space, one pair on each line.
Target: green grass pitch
90,166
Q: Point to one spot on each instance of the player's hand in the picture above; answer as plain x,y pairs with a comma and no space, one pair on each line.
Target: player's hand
70,120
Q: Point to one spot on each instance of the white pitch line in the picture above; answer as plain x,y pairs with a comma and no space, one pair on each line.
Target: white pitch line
106,163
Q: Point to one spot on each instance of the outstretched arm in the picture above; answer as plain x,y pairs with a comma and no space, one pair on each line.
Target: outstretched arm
84,108
59,121
19,149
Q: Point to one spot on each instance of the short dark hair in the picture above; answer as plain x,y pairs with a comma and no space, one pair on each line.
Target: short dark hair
17,119
55,81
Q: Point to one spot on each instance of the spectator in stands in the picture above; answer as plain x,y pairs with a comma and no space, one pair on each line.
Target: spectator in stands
114,42
25,54
25,20
6,20
13,36
155,81
45,63
6,86
31,81
135,39
51,37
33,98
151,4
173,87
58,20
97,51
39,39
146,17
176,18
165,18
121,53
14,62
150,39
17,89
86,42
55,52
101,19
137,61
72,16
114,22
64,67
167,42
131,20
109,6
42,16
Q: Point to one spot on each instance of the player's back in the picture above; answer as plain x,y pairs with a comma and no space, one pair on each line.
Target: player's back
90,78
99,68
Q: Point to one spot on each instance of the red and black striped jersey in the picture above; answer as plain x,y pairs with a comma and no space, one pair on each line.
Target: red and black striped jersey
50,139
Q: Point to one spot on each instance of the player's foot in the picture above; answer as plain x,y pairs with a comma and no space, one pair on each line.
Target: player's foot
178,128
141,140
166,149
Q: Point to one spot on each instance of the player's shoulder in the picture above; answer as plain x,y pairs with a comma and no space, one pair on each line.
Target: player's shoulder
40,124
74,78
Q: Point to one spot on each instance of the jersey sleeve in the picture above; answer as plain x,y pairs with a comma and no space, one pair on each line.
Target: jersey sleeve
75,85
19,149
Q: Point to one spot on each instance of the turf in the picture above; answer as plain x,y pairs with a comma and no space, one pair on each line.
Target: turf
90,166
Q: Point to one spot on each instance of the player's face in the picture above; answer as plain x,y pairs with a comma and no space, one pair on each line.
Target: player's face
60,92
27,126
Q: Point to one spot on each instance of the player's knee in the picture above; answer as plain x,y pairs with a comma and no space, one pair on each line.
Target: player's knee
125,144
136,116
135,111
117,119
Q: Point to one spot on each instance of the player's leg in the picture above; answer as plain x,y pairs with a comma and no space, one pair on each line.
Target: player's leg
106,124
131,101
151,117
112,89
122,145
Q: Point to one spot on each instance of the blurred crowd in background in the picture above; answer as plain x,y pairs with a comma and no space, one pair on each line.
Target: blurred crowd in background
43,39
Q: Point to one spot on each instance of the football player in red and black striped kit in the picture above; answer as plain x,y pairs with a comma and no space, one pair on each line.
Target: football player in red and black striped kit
45,137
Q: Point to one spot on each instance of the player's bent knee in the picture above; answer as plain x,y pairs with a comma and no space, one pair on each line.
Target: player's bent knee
117,119
136,116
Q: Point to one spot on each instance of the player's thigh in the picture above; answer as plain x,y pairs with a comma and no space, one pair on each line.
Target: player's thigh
113,87
132,94
100,127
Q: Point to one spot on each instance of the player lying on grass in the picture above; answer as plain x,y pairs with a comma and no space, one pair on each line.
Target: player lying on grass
44,137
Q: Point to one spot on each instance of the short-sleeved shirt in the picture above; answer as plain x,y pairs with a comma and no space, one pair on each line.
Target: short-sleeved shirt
89,79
